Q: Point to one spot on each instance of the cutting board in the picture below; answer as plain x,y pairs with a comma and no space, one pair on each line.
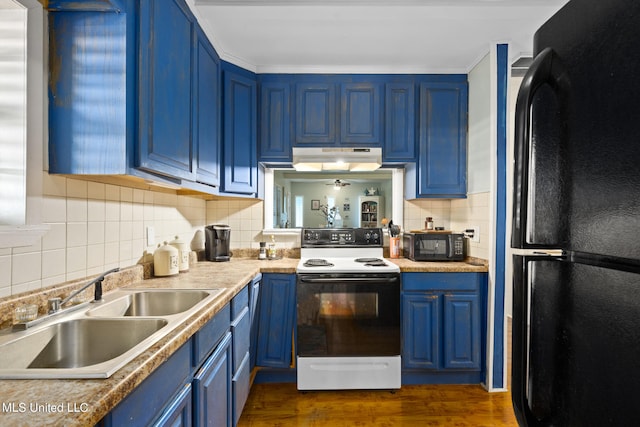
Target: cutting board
430,231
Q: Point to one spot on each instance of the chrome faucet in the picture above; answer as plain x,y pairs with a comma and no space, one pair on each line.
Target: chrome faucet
56,303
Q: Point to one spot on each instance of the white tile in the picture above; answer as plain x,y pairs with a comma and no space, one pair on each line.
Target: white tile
96,190
111,231
96,210
5,291
53,263
76,188
95,232
125,251
76,210
126,211
54,280
54,185
138,195
26,268
126,230
126,194
111,253
56,237
112,192
112,210
76,261
95,256
36,247
76,234
5,271
54,209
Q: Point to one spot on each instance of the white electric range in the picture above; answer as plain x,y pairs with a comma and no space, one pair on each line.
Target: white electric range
348,311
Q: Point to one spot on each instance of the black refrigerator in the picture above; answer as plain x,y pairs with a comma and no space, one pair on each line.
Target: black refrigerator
576,311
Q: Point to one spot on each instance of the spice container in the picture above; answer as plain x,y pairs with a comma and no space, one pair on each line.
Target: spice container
428,223
263,250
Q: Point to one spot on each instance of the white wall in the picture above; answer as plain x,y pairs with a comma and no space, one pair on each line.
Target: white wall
474,211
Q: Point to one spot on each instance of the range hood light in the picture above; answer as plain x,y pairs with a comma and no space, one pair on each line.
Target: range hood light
314,159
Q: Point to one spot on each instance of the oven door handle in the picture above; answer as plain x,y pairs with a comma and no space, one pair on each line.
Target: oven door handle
348,279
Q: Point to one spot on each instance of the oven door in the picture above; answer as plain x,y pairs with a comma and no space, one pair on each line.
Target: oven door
347,315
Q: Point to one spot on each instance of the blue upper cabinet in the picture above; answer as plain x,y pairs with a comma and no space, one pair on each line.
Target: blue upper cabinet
441,170
360,109
165,143
89,119
239,131
316,114
134,91
400,111
275,121
207,111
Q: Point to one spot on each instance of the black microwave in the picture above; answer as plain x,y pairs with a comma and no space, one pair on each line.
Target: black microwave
433,246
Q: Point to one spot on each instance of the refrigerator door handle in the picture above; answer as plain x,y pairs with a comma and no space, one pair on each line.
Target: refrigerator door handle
545,69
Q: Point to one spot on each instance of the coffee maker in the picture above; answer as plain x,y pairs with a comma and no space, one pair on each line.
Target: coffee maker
217,238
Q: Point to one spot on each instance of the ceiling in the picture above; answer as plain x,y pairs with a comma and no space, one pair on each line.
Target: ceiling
369,36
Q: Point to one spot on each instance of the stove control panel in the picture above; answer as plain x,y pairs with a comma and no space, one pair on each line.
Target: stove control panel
339,237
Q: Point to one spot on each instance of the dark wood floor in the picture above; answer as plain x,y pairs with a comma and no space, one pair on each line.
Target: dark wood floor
441,405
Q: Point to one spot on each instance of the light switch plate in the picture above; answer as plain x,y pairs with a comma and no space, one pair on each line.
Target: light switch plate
151,236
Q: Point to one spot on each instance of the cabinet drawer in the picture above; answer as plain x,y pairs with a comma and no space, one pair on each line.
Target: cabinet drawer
208,337
239,302
440,281
241,384
151,397
240,328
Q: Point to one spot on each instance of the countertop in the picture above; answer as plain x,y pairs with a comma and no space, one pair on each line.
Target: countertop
85,402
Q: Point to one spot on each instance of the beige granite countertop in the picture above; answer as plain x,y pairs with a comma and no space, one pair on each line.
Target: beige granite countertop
85,402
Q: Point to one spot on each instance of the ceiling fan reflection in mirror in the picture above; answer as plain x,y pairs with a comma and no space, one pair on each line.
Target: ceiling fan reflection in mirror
338,184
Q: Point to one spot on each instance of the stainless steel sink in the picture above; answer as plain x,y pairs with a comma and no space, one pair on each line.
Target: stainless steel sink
150,303
83,342
94,341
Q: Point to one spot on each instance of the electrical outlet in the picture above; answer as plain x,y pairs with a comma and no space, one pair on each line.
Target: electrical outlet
151,236
473,232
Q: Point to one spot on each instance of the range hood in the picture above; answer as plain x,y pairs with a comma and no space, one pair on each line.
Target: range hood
354,159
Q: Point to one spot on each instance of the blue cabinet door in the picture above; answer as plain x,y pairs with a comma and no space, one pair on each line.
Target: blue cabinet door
165,142
212,388
178,414
207,111
462,340
316,113
360,119
442,165
254,297
277,317
400,121
89,122
421,326
275,122
239,132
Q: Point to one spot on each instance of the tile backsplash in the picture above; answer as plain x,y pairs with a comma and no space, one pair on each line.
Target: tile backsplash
96,226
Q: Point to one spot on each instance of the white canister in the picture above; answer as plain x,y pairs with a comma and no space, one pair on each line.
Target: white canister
165,261
183,253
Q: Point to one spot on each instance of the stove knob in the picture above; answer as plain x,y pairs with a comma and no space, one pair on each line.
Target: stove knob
376,236
367,235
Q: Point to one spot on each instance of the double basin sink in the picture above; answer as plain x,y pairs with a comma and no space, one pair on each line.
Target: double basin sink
94,340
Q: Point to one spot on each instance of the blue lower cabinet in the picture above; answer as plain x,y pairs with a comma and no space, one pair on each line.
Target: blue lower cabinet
178,414
241,384
277,320
442,327
154,394
254,295
212,388
421,323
